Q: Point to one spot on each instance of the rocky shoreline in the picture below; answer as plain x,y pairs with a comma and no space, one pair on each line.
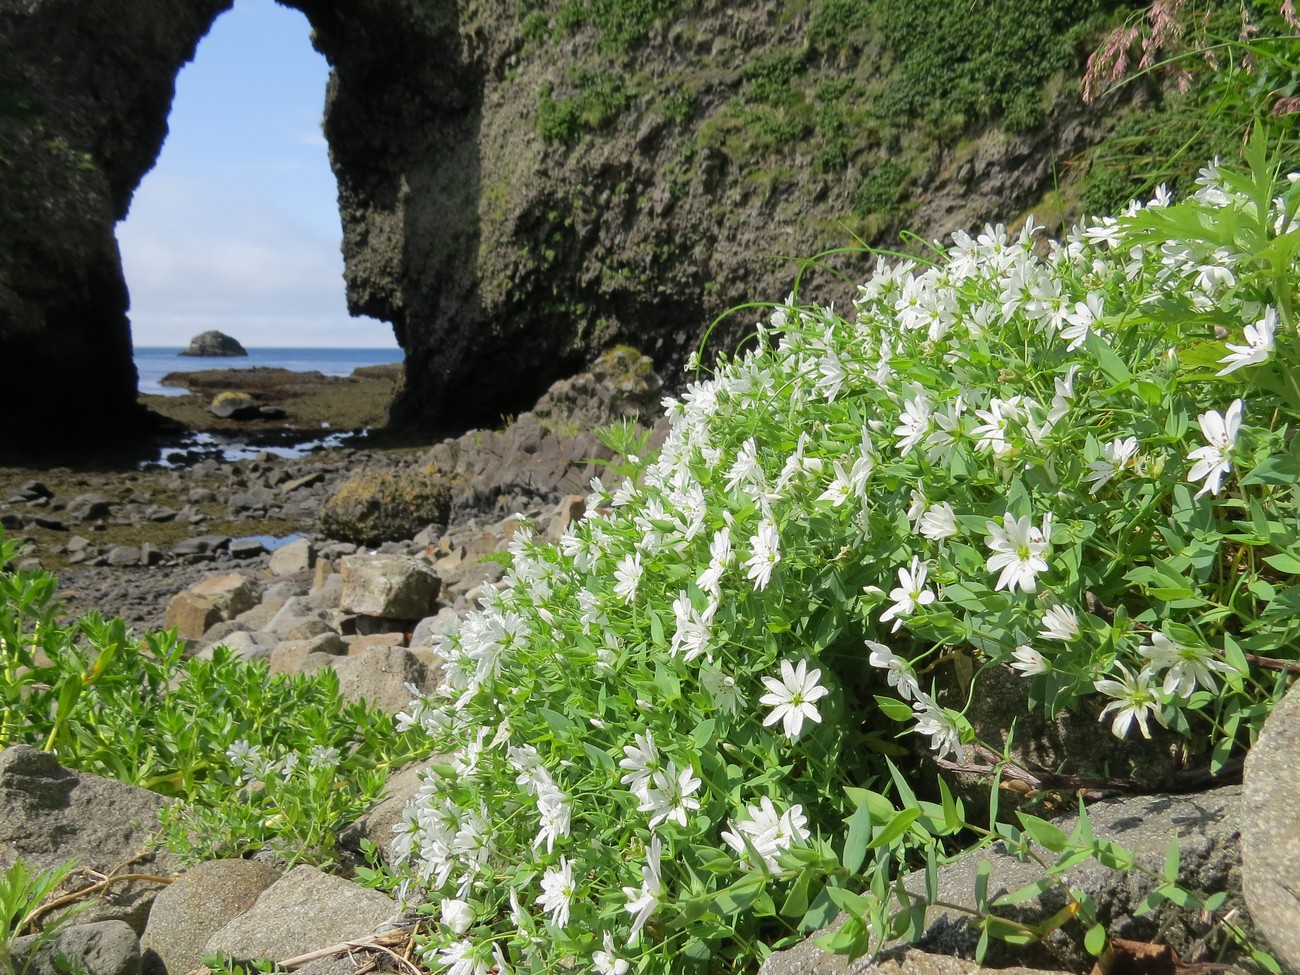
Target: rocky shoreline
263,555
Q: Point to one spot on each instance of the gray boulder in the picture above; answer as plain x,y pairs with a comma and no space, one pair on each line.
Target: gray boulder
50,815
198,904
381,675
1206,825
302,911
97,948
1270,833
214,344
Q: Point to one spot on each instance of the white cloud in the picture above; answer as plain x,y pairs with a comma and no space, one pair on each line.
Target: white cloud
197,256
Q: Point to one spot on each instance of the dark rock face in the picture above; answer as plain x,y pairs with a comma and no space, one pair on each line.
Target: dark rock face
503,260
85,87
214,343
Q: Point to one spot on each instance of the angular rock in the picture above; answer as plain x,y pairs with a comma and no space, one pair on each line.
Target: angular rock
392,587
443,623
385,505
198,904
190,615
49,815
288,657
303,910
297,556
232,593
1270,832
382,675
96,948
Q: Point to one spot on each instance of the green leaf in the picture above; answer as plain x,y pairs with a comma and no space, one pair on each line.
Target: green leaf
1284,562
894,709
851,939
881,808
598,755
896,827
1046,834
739,896
1110,363
951,811
703,733
857,838
1095,940
1026,893
982,886
1172,861
856,905
796,901
656,629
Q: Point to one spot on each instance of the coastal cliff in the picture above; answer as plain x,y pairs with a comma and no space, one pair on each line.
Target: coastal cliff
523,186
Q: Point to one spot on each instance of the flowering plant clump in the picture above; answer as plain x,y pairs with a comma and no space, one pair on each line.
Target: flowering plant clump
1074,460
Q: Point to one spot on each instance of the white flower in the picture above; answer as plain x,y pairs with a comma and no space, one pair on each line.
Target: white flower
457,915
897,670
641,763
606,962
557,892
1134,700
1059,623
669,795
944,734
1029,661
1215,459
643,902
765,546
554,811
463,958
1018,549
909,594
1081,321
628,574
792,697
913,424
767,831
840,489
1115,456
1188,667
938,522
1258,347
720,556
1062,397
723,687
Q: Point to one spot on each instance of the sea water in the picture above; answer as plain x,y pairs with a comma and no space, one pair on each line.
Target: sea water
152,363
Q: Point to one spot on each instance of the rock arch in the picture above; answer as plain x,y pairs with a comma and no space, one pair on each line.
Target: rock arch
85,90
504,256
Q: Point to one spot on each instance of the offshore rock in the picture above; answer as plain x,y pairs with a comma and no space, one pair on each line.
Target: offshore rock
214,344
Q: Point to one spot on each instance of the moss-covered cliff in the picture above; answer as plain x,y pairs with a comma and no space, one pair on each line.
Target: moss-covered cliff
524,184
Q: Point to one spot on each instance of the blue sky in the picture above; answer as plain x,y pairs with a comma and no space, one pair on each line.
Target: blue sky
237,227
